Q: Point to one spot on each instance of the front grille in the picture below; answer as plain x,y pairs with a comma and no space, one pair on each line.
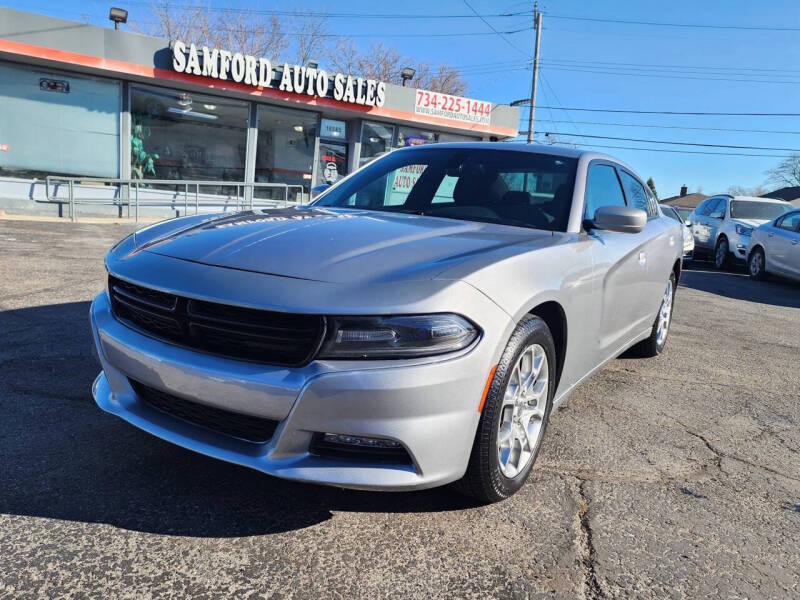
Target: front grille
242,333
244,427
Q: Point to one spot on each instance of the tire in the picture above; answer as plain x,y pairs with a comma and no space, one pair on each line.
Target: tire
655,344
488,478
722,254
756,264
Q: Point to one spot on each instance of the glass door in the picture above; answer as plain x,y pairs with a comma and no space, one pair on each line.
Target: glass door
332,162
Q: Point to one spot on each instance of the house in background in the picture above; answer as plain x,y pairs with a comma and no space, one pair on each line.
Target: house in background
685,202
790,194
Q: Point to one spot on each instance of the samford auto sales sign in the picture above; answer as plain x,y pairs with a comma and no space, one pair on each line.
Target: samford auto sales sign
258,72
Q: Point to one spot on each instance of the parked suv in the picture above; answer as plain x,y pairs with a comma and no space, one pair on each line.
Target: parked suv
722,225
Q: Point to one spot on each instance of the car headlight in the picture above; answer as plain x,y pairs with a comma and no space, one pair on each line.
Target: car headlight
742,230
409,336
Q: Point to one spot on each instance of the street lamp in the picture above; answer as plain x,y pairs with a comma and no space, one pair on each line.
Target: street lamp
118,15
407,74
522,102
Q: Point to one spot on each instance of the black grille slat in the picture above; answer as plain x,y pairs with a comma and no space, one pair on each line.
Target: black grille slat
244,427
255,335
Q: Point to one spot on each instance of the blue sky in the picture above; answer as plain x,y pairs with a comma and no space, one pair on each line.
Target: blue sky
596,65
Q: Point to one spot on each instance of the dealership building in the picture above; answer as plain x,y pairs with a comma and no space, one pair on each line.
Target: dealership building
80,101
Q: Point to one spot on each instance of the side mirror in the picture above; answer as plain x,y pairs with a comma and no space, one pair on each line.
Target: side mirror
623,219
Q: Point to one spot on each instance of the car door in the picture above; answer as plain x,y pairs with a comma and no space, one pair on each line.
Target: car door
714,223
620,263
783,245
662,243
701,223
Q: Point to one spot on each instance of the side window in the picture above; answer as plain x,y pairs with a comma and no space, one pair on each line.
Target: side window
710,206
602,189
637,198
719,209
790,222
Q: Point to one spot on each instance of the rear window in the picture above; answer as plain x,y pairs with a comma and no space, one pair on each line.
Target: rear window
764,211
523,189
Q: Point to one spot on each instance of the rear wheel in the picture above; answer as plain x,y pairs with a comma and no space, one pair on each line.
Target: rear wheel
756,263
721,254
515,415
655,344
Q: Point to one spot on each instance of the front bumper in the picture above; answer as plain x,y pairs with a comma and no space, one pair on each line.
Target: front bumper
429,406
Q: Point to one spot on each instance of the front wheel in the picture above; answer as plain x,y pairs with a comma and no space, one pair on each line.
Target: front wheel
755,264
721,255
515,415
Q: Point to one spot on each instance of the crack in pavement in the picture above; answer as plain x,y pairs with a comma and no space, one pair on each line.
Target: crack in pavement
588,558
719,454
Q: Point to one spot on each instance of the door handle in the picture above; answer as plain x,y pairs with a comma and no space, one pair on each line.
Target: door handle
795,242
770,235
642,258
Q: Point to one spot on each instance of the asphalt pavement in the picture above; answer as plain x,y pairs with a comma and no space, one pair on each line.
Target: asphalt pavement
671,477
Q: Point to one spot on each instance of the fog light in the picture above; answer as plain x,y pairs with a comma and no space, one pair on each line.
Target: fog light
354,440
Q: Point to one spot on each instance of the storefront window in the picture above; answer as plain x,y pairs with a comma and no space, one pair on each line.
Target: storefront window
57,124
376,139
181,135
411,136
285,150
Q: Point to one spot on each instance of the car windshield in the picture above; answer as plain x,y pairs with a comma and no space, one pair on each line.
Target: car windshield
509,187
744,209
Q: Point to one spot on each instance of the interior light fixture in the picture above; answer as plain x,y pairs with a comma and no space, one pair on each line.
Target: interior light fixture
210,106
298,128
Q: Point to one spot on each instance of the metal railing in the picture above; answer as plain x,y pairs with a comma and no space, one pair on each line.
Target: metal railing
150,193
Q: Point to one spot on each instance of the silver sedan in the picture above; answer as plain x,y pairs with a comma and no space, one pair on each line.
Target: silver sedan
775,248
413,327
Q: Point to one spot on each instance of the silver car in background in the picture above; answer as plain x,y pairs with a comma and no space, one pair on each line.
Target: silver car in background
688,238
413,327
722,225
775,248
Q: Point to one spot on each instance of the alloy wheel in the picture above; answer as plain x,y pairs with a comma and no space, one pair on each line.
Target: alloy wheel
664,315
756,263
721,254
523,411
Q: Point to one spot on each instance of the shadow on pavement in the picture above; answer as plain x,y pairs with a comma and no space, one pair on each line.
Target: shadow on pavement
736,284
63,458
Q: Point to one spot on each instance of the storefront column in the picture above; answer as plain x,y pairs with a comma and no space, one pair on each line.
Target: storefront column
250,154
125,142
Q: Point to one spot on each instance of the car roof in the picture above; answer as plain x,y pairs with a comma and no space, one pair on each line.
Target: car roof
757,199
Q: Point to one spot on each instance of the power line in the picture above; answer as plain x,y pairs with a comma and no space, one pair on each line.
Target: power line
499,33
575,62
674,112
332,15
654,126
625,139
668,76
683,151
665,24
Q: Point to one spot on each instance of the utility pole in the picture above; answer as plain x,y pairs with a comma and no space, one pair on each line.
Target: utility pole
537,25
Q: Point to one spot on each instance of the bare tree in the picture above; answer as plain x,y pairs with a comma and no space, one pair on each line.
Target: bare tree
232,30
310,39
740,190
385,63
787,173
305,36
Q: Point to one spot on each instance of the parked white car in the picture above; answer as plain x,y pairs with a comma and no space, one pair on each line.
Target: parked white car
688,238
722,225
775,248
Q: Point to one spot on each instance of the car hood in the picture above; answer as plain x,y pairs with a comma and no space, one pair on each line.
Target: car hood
336,245
754,223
